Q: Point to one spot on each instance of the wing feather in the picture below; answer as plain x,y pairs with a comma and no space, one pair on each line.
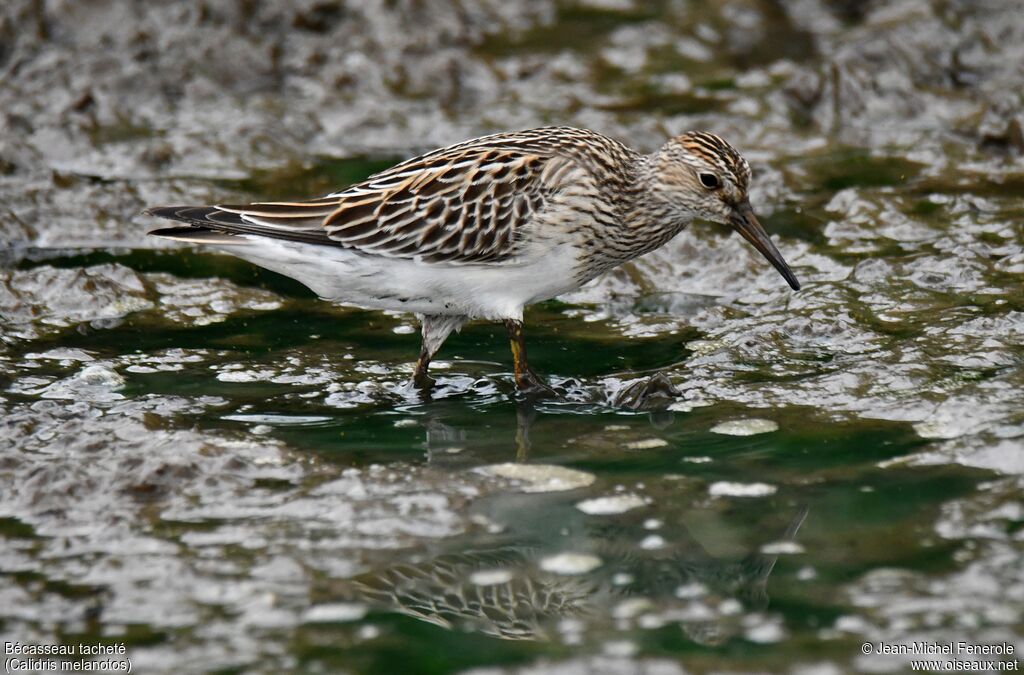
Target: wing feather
468,203
460,209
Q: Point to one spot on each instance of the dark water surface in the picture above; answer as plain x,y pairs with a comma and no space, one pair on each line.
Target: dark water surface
201,460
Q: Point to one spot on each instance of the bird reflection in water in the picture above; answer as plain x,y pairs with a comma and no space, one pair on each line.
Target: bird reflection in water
507,592
503,584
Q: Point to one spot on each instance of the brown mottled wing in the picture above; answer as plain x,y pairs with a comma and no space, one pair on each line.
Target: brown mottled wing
465,204
470,205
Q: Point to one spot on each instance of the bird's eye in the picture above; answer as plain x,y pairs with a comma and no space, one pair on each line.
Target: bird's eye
709,180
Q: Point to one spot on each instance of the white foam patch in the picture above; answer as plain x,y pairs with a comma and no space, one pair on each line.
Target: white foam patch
100,376
631,608
782,548
747,427
725,488
942,428
647,444
766,632
490,577
539,477
691,590
704,347
570,563
335,613
652,542
96,383
244,375
61,354
281,420
687,406
607,506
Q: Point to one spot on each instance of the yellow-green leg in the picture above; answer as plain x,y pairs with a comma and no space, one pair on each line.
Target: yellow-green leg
526,380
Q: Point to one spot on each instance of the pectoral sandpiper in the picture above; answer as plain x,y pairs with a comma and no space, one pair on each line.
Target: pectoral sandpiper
481,229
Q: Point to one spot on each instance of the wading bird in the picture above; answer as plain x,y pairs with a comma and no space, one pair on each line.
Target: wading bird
481,229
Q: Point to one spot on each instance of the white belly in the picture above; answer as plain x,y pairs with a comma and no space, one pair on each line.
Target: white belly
495,291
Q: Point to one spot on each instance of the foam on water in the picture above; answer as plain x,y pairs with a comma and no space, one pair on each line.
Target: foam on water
732,489
611,505
539,477
570,563
745,427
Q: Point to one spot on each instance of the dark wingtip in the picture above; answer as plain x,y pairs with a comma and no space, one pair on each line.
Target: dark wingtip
199,216
172,232
197,235
163,211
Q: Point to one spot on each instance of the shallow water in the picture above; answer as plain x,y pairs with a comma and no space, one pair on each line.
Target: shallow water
203,461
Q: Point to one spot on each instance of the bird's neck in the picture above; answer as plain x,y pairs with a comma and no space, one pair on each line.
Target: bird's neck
651,217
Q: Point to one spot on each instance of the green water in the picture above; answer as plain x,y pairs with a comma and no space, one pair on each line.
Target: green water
831,476
201,460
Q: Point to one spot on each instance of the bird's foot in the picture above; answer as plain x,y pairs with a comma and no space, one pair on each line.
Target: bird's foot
533,387
652,394
424,383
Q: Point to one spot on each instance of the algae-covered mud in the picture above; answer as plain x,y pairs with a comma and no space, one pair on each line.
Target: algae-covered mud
202,462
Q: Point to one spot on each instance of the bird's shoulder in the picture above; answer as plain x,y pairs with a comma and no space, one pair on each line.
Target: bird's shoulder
529,150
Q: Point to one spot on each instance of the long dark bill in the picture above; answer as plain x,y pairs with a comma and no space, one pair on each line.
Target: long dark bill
745,222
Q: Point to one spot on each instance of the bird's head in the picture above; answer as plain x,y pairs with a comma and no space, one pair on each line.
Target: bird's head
699,174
